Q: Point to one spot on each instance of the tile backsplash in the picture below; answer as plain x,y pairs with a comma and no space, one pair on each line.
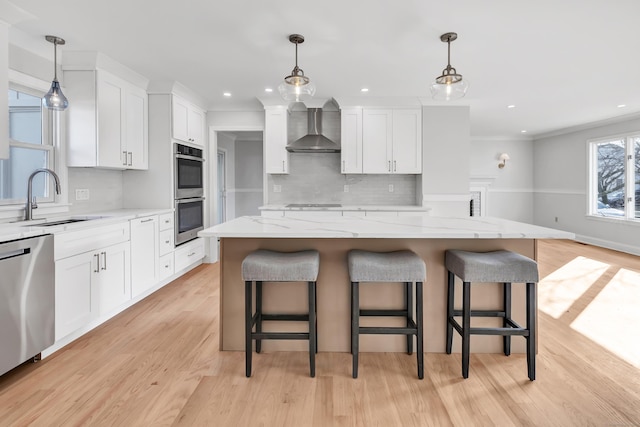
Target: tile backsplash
316,178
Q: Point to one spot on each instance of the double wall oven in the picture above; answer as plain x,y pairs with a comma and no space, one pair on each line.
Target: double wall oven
188,192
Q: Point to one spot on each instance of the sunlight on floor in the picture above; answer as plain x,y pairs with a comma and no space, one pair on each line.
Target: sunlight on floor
560,289
612,318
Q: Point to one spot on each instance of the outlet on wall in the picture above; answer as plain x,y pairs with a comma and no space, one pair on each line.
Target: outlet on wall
390,188
82,194
277,188
346,188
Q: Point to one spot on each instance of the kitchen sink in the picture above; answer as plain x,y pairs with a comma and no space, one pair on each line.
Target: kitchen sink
64,221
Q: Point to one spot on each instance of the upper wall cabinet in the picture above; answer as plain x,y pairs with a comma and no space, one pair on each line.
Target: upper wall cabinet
276,156
381,141
392,141
187,122
108,121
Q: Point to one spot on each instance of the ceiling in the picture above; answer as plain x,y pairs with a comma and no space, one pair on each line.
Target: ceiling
561,63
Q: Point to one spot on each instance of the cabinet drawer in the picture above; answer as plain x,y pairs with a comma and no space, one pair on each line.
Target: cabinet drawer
88,239
166,221
166,266
187,254
166,241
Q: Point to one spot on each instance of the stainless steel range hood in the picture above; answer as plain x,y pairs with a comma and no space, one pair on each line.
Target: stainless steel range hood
314,141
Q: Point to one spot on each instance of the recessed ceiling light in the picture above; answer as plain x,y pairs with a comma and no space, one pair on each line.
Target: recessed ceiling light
523,131
364,89
511,106
227,94
268,89
622,105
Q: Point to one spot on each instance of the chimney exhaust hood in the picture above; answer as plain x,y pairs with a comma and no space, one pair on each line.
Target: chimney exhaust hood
314,141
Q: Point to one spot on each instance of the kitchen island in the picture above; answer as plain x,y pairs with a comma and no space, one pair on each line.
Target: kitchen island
333,237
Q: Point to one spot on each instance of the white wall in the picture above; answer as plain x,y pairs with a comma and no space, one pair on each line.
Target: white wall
561,185
509,191
445,160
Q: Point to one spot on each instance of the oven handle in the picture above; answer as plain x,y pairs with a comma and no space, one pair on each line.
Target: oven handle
197,199
194,158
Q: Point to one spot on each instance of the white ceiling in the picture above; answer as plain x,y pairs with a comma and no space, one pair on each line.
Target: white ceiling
561,62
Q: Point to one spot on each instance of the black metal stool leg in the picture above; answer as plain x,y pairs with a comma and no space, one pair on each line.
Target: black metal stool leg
419,326
355,326
409,307
312,329
258,315
506,306
531,326
450,298
466,327
247,325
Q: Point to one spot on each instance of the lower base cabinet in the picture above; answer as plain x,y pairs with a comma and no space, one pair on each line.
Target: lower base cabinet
144,254
91,284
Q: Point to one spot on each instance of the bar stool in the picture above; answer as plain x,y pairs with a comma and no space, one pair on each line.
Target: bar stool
399,266
270,266
497,266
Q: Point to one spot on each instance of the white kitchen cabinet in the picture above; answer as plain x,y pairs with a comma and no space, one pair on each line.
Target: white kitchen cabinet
351,140
90,284
144,253
187,121
188,253
381,141
108,121
166,266
276,156
111,283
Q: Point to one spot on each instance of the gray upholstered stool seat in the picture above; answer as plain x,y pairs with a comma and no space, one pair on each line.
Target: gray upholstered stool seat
505,267
399,266
495,266
271,266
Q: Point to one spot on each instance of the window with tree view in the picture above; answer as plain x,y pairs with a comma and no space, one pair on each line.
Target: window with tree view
30,148
615,177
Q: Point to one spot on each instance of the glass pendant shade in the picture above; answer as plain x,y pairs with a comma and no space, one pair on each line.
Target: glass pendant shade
296,86
55,99
450,85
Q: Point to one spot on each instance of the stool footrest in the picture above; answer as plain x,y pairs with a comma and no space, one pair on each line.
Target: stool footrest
481,313
515,329
302,317
389,330
280,335
383,312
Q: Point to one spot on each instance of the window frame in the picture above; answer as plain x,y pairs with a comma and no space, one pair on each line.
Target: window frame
54,129
629,175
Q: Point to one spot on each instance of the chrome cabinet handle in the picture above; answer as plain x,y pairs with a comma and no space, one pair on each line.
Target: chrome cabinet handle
97,270
389,166
283,166
147,220
104,257
343,166
191,254
394,165
130,158
124,162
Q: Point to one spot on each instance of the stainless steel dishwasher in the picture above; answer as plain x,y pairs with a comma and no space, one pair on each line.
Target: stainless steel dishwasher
27,293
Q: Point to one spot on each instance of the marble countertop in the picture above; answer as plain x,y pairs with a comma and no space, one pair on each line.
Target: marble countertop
33,228
410,227
346,208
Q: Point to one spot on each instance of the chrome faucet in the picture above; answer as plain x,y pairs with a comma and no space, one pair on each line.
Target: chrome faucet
31,201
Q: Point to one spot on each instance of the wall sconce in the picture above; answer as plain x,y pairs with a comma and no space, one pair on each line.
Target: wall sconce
503,160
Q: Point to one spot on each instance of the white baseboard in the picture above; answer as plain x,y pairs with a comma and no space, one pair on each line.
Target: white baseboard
633,250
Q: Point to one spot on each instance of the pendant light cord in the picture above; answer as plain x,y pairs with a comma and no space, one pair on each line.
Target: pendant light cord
55,60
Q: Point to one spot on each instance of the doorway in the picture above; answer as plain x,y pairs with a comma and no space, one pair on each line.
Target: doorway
222,187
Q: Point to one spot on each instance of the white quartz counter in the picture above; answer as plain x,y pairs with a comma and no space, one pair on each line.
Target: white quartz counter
406,227
25,229
356,208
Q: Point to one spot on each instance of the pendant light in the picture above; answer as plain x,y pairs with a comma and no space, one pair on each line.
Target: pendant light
55,99
450,84
296,87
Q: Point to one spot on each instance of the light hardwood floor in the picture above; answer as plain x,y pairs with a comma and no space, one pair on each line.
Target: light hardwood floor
158,364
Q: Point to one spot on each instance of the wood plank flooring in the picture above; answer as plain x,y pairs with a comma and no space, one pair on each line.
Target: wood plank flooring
158,364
